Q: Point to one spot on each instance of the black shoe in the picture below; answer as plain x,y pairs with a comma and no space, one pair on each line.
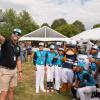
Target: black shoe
97,94
93,94
75,98
58,91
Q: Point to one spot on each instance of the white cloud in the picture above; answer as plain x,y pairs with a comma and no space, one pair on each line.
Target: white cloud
86,11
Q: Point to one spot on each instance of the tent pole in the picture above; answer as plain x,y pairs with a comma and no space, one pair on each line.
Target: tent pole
45,35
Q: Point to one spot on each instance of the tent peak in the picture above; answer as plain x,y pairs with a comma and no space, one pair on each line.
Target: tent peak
45,33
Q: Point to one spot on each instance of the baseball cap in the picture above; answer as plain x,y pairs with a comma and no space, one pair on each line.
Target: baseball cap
61,49
41,44
75,64
73,42
17,31
95,47
52,47
58,43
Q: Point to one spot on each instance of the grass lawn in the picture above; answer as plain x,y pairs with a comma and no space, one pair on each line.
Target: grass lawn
26,89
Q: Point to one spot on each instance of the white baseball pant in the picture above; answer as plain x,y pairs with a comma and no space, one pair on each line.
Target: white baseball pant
40,78
58,72
84,93
50,73
67,75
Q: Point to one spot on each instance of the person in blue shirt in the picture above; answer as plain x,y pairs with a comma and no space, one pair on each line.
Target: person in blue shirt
94,52
94,66
39,61
86,84
29,51
83,59
93,57
74,83
51,54
58,69
58,45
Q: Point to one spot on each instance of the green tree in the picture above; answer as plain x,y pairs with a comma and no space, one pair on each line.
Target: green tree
58,22
10,17
1,17
96,26
79,25
13,20
26,23
68,30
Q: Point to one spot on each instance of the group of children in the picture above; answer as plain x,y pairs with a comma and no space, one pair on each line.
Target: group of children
67,67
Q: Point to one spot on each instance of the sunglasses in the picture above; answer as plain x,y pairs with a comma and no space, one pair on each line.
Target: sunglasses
17,33
41,46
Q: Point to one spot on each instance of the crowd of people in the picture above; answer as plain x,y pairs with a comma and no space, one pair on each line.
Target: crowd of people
68,67
65,67
26,51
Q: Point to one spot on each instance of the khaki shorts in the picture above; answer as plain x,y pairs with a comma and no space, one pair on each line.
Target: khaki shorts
8,78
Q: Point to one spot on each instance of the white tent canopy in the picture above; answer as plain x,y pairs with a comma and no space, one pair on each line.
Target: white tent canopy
44,34
93,34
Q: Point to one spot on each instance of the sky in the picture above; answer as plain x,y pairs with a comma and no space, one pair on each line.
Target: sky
87,11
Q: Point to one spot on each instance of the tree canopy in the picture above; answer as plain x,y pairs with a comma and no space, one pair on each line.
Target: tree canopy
24,21
96,26
67,30
58,22
79,25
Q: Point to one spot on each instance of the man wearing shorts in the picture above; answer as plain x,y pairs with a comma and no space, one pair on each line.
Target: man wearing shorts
9,59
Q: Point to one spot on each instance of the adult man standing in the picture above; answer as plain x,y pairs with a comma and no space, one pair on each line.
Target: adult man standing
39,61
9,59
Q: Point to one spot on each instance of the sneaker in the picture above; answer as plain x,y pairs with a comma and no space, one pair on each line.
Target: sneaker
75,98
52,90
43,90
47,91
58,91
37,91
